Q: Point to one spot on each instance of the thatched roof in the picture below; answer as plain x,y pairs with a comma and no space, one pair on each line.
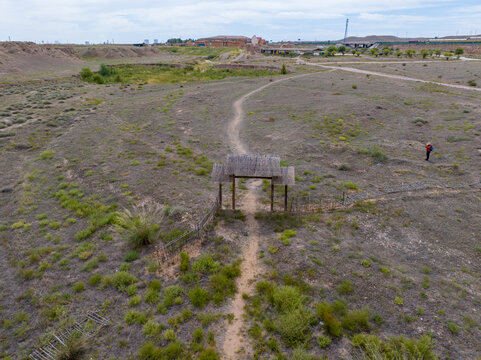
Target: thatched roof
260,166
253,165
287,177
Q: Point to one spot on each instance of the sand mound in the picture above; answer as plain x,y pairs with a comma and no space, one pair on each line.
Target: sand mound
28,57
116,51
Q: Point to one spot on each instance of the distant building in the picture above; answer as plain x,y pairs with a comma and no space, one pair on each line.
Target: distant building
146,41
257,41
87,43
229,41
156,41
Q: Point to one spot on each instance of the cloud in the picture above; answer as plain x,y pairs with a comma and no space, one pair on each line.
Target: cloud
275,19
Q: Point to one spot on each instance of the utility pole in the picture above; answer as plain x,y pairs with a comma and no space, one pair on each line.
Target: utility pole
345,32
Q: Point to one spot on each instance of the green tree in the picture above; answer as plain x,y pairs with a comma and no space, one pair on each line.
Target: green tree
399,53
104,70
386,51
410,52
86,74
447,55
331,50
353,51
283,69
358,53
459,52
341,49
424,53
438,53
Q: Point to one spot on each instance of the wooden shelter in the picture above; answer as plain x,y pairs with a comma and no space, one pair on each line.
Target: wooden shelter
253,167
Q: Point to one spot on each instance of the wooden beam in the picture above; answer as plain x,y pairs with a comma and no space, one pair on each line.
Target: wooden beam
272,196
233,193
220,195
285,198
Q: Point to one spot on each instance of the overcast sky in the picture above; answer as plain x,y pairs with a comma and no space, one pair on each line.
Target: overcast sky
77,21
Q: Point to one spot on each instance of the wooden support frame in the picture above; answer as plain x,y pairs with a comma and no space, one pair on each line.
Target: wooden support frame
253,177
233,193
220,195
272,196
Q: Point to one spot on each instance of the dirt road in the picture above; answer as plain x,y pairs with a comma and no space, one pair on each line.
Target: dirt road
395,77
234,345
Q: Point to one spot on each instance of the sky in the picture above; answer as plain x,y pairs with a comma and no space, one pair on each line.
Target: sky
132,21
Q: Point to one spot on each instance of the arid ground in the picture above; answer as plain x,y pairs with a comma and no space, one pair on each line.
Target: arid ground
379,243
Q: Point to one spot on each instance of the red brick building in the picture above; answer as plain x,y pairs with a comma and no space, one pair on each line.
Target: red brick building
229,41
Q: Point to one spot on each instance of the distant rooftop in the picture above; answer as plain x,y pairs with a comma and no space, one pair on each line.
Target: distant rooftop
224,38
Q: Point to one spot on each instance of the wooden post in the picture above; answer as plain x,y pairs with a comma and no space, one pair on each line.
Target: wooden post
272,196
285,198
233,193
220,195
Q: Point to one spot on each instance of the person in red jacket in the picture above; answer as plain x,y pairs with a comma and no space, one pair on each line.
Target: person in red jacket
429,148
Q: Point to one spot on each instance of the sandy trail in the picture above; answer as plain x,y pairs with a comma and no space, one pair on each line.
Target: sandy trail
236,346
396,77
233,129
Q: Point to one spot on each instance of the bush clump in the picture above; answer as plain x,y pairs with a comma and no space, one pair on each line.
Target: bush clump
120,280
141,226
293,326
74,348
199,297
395,348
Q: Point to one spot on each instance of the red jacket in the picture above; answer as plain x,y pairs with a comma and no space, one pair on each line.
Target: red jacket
429,148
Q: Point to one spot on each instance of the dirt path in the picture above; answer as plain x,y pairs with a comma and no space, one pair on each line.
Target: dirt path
236,345
396,77
233,129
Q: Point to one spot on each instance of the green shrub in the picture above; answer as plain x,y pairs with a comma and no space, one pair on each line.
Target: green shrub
151,296
74,348
205,264
131,256
97,78
95,279
78,287
169,335
120,280
199,297
135,300
209,354
148,351
378,155
174,350
86,74
356,320
287,298
300,354
133,316
395,348
283,69
345,288
152,329
155,285
184,262
172,295
132,290
222,286
140,227
324,341
293,326
104,70
332,325
91,264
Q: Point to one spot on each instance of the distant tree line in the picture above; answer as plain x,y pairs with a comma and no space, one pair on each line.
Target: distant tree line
178,41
